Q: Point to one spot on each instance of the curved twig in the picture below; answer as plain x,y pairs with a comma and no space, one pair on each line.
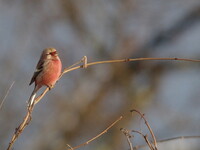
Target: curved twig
149,128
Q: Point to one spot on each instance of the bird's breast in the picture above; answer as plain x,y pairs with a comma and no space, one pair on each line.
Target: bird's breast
51,72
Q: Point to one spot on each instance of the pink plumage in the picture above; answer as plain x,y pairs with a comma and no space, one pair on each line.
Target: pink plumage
47,71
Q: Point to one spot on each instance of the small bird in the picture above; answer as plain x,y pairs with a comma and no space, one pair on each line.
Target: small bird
48,71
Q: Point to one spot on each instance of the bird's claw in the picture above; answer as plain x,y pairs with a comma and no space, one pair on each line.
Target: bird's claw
50,86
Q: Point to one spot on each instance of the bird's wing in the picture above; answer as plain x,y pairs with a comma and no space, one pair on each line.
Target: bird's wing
38,69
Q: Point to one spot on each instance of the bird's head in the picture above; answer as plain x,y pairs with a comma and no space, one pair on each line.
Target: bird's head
50,53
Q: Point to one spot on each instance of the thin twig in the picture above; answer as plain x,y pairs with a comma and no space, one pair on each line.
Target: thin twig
179,137
127,60
69,147
128,137
145,138
97,136
3,100
41,96
170,139
85,65
148,126
21,127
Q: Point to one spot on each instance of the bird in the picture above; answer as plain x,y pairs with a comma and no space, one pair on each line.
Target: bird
47,72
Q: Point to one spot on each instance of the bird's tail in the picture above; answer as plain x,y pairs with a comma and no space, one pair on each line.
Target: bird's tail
32,97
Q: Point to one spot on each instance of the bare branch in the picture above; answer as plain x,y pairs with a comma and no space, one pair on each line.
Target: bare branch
70,148
128,137
85,65
179,137
170,139
145,138
21,127
1,104
94,138
148,126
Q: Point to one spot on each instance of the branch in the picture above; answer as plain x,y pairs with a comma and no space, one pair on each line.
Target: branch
128,137
150,130
145,138
179,137
97,136
21,127
1,104
85,65
170,139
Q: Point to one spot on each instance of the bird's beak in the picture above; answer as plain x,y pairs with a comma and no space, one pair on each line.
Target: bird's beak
54,53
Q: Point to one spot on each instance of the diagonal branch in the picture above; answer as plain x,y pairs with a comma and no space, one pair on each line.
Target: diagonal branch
97,136
1,104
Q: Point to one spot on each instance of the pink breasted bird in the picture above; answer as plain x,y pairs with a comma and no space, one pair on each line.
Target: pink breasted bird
47,71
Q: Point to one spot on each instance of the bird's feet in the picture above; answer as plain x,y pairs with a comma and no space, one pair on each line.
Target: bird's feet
50,86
